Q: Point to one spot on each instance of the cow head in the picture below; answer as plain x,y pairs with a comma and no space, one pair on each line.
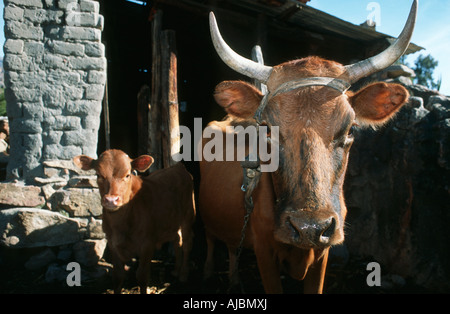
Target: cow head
114,175
315,131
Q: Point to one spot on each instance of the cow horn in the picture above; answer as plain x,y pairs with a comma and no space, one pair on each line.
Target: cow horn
387,57
238,63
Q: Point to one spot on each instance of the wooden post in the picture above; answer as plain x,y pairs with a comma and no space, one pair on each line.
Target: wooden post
169,94
106,118
154,116
257,56
143,107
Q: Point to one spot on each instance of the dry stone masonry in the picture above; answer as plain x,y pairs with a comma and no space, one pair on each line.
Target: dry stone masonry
55,76
55,70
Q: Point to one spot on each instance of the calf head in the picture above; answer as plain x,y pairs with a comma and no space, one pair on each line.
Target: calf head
115,179
315,131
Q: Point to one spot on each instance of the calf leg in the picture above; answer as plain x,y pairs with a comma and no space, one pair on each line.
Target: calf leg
143,271
118,273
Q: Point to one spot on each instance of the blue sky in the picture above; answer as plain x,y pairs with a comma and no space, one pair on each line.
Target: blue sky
432,30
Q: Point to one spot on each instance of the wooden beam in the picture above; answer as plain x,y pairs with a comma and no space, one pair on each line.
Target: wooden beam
169,94
154,116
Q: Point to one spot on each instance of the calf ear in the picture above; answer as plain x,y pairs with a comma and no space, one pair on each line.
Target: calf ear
142,163
377,103
239,99
84,162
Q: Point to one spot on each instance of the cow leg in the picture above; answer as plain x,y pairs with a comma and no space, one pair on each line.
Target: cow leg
313,283
268,270
118,273
143,271
208,269
233,268
188,237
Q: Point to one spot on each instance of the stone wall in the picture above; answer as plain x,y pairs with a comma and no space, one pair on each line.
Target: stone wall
55,74
398,195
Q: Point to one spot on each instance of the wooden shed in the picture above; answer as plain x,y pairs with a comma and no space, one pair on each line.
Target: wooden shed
285,29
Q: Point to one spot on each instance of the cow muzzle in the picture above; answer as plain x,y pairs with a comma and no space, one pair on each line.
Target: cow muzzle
111,202
309,229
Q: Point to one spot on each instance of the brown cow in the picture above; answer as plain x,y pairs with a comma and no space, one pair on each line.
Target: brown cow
141,214
299,209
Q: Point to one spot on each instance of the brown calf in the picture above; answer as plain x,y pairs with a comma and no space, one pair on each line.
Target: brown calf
141,214
299,209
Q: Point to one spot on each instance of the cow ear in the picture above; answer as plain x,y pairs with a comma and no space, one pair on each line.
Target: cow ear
239,99
377,103
84,162
142,163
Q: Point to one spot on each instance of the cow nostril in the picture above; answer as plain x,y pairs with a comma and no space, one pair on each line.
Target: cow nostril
328,231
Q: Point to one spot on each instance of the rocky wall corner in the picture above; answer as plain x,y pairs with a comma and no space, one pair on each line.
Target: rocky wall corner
55,76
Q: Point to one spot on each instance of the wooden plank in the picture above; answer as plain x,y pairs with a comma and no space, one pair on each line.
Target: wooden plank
169,93
154,130
106,121
143,107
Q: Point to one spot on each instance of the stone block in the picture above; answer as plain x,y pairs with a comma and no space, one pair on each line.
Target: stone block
83,19
77,138
20,195
18,30
89,6
67,123
13,62
77,202
13,13
88,63
95,92
34,48
67,49
84,107
68,4
95,49
96,77
26,3
23,125
57,76
95,229
81,33
56,62
89,252
27,227
58,151
14,46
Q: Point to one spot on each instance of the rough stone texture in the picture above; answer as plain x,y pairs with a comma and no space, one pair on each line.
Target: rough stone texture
25,227
21,196
77,202
55,73
398,195
89,252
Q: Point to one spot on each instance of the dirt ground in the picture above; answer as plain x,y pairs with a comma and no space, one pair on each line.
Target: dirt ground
347,279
